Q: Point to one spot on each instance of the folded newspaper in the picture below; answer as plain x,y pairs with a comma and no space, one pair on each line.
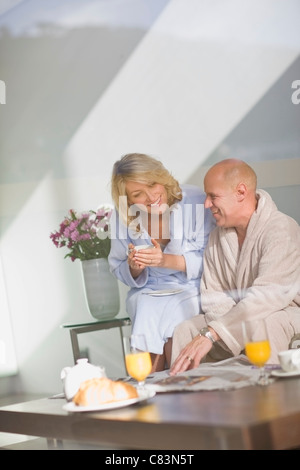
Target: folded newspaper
236,372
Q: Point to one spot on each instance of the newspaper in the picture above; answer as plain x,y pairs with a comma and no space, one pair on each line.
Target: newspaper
233,373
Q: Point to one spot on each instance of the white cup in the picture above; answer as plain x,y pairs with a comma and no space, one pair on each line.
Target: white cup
140,247
143,247
290,360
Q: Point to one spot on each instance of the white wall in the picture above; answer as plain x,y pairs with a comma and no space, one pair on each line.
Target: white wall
183,80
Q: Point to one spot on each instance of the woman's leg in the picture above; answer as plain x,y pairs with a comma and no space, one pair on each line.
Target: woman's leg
162,361
158,362
168,352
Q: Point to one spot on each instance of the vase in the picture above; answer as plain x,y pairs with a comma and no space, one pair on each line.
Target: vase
101,289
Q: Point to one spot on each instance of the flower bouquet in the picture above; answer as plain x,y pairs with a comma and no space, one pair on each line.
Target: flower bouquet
86,235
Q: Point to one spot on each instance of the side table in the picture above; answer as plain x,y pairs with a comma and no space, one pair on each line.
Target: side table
76,329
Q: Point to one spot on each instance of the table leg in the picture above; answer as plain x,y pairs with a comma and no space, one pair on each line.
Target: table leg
54,444
75,345
122,344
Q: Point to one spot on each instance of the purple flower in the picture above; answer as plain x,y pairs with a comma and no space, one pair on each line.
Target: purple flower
79,233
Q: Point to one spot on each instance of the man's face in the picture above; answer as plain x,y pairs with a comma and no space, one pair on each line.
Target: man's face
221,200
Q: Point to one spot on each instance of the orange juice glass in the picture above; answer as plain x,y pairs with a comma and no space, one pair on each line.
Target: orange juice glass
138,365
137,358
258,352
257,347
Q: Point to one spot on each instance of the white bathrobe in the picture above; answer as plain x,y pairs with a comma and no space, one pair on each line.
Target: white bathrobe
262,280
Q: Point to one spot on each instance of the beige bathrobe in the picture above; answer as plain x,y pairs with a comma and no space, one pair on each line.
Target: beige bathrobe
262,280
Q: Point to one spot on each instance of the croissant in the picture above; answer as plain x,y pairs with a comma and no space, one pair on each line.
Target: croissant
98,391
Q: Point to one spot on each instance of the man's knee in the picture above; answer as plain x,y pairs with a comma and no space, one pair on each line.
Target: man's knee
182,328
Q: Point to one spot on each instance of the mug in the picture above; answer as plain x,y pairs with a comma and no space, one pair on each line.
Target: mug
143,247
290,360
140,247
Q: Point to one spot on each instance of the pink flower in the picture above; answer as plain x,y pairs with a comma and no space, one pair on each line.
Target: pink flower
83,234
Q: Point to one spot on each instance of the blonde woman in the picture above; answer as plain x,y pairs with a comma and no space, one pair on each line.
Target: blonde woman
152,208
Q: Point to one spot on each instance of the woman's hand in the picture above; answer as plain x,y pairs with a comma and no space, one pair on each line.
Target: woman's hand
154,257
135,267
150,257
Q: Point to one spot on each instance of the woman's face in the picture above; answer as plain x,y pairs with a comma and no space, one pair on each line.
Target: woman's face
152,197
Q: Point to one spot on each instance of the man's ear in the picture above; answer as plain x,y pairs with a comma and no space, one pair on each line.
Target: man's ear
241,191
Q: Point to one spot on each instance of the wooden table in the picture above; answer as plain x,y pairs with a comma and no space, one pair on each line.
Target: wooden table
247,418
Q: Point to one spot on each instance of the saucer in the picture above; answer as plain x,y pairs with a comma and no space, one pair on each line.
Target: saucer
283,373
158,293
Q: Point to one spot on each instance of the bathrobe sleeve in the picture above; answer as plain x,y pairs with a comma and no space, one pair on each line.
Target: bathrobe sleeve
118,254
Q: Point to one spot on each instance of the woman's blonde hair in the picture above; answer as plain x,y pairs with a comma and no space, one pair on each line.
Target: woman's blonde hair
142,169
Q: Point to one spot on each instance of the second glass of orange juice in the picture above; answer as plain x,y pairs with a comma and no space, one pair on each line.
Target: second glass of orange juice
257,347
137,358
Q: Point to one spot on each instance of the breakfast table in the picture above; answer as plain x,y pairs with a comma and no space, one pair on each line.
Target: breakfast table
247,418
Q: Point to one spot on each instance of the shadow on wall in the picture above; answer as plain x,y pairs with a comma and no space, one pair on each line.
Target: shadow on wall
268,138
45,112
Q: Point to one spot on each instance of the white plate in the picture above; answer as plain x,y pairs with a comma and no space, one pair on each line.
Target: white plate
282,373
143,395
158,293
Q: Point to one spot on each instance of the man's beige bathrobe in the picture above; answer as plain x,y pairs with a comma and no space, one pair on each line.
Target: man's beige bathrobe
262,280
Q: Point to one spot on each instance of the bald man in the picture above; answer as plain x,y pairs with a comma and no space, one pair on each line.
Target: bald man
251,271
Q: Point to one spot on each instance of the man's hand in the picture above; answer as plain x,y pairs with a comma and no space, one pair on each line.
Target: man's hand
191,355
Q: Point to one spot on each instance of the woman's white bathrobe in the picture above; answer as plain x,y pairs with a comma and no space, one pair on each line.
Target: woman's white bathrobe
262,280
156,317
